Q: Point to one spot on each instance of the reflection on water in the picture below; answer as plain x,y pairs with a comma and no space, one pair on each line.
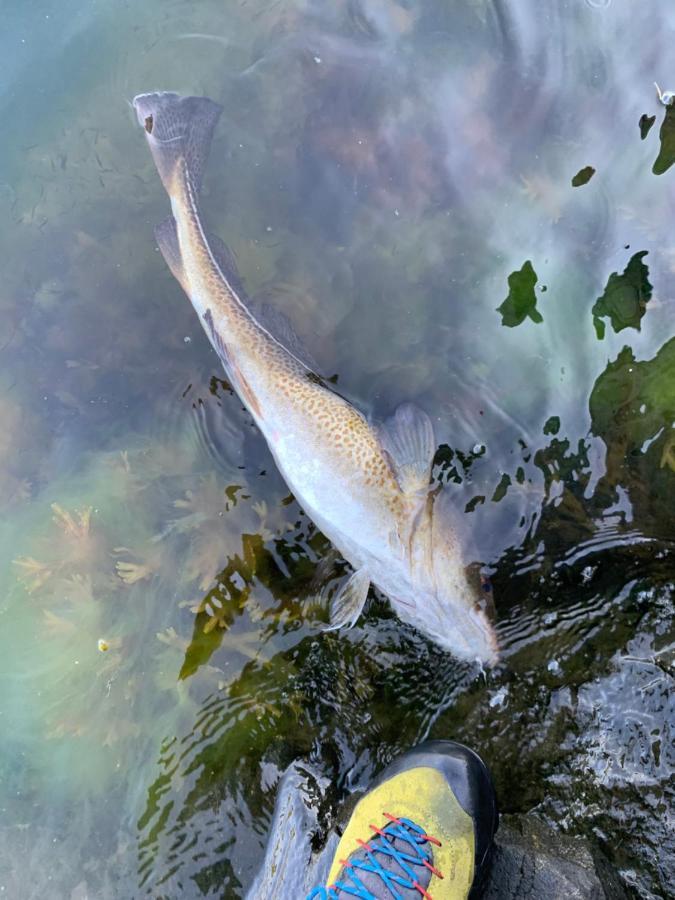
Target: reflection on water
398,178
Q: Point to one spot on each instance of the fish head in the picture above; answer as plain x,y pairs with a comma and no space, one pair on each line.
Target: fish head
458,618
462,597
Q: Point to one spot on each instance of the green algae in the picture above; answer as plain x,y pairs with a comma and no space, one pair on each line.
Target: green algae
583,176
666,155
521,302
625,298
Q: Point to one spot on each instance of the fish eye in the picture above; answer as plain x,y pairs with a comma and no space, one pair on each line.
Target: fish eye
148,124
481,587
484,598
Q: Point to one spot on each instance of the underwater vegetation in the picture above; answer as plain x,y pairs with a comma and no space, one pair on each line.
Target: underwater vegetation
583,176
625,298
521,302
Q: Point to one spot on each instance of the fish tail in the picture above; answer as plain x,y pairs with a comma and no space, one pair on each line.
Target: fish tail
178,130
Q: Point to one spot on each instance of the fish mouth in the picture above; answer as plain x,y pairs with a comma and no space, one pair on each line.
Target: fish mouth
465,631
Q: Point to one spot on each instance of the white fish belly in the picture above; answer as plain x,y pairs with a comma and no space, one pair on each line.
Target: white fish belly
349,512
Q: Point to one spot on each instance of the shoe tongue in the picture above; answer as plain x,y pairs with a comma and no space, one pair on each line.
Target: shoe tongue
373,881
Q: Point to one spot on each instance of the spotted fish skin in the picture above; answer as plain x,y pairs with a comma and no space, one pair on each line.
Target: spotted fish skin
366,488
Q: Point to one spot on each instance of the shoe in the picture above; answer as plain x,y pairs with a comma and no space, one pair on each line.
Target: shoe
423,829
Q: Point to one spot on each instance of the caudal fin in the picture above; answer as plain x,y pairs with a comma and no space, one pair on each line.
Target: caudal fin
177,128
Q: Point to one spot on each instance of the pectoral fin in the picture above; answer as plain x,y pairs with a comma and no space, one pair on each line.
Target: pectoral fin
347,604
408,440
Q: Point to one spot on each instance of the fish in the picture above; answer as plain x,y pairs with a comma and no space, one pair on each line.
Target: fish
367,486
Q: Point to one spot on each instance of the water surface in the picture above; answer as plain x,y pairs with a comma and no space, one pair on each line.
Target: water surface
398,177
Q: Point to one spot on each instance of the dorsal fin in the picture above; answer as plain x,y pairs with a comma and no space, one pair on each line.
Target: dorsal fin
239,382
227,264
271,318
407,438
279,326
166,235
216,338
167,241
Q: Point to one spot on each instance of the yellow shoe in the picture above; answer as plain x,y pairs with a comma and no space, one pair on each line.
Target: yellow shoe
424,829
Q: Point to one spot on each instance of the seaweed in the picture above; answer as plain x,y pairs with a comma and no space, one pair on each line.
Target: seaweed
521,302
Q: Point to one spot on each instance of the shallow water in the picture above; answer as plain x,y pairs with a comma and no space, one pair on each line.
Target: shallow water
395,176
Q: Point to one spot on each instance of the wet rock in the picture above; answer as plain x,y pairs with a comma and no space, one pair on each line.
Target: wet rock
531,861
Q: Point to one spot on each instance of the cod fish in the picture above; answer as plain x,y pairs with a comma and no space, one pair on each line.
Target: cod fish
367,487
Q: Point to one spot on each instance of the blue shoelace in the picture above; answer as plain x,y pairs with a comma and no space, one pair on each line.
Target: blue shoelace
394,877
